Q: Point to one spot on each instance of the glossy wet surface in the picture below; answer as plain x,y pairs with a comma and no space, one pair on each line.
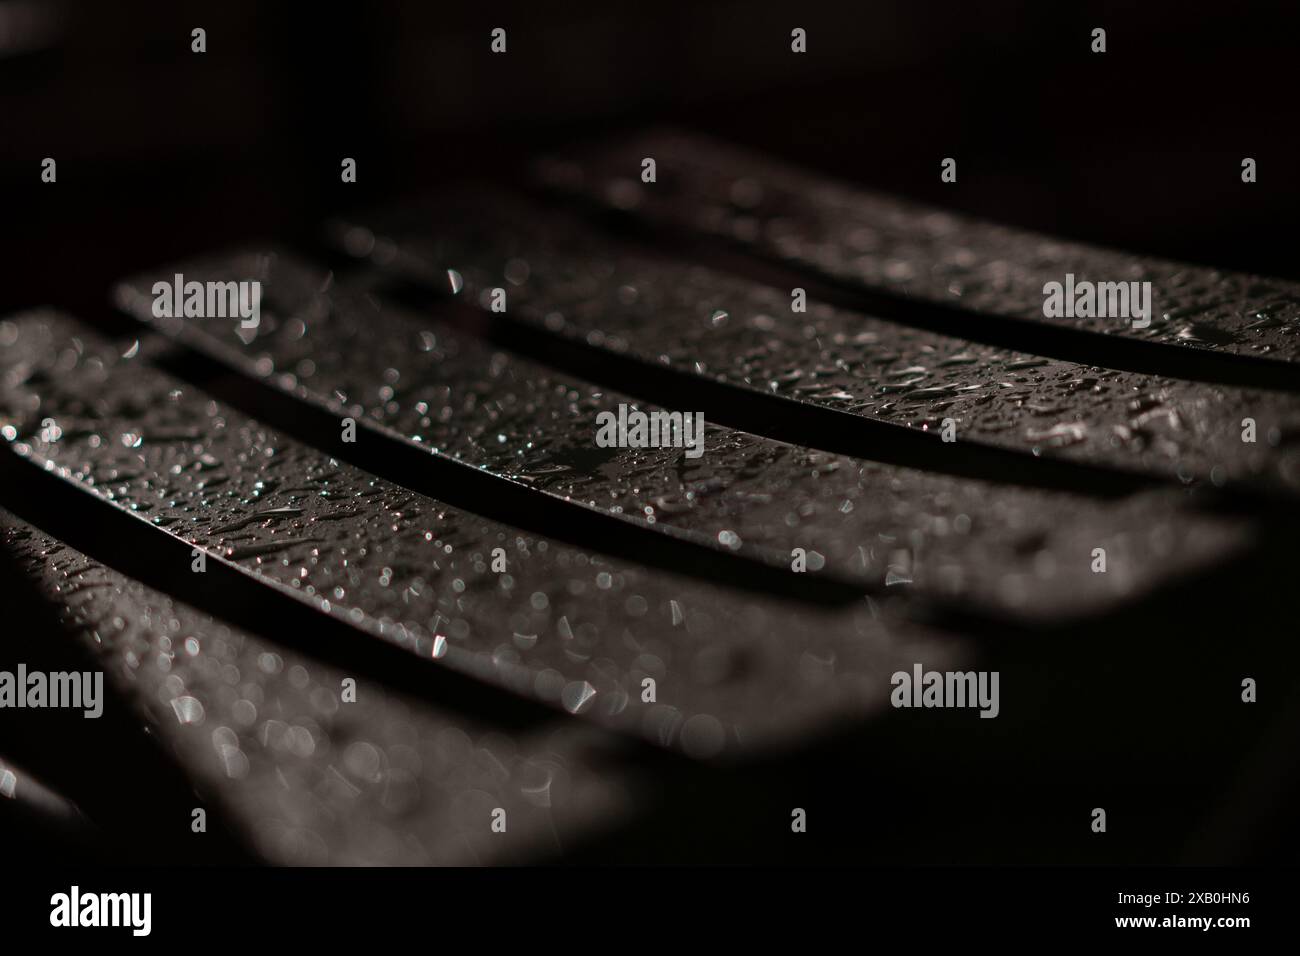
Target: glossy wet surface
590,637
1016,550
562,276
305,777
563,626
916,251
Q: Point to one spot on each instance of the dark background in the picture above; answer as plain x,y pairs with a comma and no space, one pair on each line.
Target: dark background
163,153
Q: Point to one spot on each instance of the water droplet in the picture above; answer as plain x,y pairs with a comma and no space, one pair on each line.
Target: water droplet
576,695
188,710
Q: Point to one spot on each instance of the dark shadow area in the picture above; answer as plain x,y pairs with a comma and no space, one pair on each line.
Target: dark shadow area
130,799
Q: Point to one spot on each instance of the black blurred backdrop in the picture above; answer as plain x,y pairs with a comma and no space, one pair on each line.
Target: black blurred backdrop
163,152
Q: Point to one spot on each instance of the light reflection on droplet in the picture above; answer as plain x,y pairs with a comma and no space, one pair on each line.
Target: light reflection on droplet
576,695
188,710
